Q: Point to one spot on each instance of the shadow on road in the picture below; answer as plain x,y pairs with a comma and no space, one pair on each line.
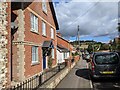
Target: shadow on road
101,83
106,80
84,73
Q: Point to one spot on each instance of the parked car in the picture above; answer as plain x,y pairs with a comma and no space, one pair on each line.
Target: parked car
104,64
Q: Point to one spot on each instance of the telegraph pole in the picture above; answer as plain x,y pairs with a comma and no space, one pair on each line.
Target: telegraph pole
119,19
78,36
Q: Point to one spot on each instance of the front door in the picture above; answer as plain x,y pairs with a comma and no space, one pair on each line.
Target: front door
44,62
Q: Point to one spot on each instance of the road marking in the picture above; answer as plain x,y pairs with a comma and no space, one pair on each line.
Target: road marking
91,85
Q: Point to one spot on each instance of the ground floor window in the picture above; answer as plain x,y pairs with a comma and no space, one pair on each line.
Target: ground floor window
34,54
53,54
65,55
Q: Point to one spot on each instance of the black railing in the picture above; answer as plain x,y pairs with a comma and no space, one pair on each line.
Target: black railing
36,81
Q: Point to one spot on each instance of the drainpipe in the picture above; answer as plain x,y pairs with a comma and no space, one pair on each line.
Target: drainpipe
14,28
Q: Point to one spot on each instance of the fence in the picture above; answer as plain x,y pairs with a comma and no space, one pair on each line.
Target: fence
34,82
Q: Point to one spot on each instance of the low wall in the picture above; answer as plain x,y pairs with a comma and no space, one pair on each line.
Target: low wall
53,82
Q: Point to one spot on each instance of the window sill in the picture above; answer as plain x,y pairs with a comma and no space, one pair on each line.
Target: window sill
52,38
44,35
35,63
34,32
53,58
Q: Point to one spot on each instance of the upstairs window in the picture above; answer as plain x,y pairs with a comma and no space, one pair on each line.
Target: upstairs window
34,23
44,6
52,33
43,28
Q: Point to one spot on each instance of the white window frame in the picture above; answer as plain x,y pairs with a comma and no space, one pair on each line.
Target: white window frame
52,33
35,58
53,53
44,6
34,23
43,28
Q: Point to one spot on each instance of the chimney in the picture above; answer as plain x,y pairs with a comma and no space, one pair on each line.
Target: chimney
59,34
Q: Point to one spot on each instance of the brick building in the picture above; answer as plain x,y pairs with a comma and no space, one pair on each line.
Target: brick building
64,49
34,39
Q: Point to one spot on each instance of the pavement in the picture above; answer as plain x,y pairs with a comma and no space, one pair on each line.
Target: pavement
78,77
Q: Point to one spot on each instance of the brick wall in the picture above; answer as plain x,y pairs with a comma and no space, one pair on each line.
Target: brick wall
22,45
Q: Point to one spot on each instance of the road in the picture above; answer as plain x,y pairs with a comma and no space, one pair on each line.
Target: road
78,77
106,83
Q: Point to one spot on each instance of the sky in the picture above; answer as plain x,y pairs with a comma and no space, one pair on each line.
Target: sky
97,20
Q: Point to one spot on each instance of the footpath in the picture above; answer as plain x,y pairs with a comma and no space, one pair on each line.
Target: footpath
78,77
54,81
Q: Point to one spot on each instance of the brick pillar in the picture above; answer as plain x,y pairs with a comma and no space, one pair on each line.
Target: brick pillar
20,46
19,56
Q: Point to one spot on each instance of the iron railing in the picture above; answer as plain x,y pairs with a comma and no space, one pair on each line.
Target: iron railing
36,81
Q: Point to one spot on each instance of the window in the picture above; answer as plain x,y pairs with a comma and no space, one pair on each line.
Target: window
52,33
65,55
34,54
44,6
34,23
52,53
107,59
44,28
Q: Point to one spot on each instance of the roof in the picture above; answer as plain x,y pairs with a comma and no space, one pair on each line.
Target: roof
47,44
54,15
62,48
62,38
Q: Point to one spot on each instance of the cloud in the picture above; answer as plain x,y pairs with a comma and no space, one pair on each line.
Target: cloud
94,18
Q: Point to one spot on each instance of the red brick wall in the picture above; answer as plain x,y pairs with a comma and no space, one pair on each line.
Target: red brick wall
31,70
37,38
63,42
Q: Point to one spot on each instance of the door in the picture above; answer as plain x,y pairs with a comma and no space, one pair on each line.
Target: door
44,62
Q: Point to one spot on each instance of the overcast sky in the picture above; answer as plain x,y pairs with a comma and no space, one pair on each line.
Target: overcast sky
97,20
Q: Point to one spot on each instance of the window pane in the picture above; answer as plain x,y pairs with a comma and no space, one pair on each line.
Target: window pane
44,6
44,28
34,54
52,53
34,23
52,33
107,59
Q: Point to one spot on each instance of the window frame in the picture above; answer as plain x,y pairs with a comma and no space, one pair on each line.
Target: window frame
53,53
52,33
44,6
35,54
34,23
44,29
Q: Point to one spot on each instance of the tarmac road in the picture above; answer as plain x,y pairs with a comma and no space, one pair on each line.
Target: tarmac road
78,77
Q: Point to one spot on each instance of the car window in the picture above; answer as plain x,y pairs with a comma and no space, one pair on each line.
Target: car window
107,59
